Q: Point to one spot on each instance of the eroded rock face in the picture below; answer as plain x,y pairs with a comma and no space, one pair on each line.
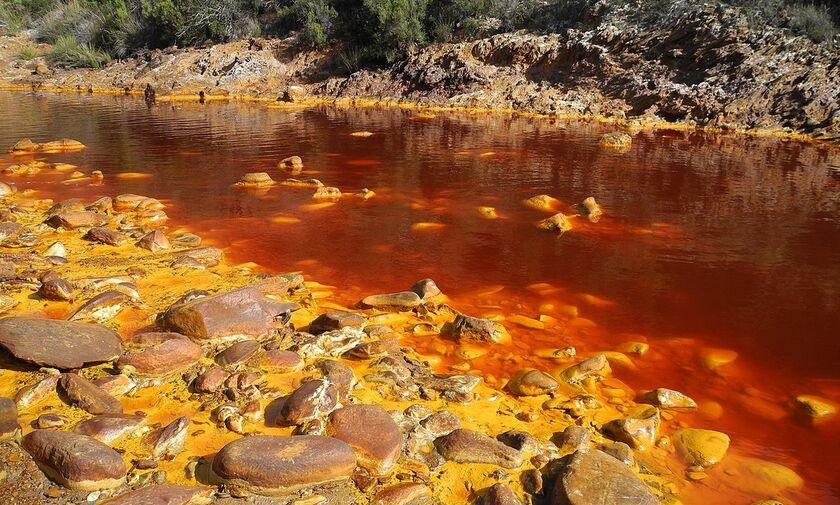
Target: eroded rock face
171,356
592,477
467,446
59,344
370,431
87,396
163,494
75,461
239,312
275,465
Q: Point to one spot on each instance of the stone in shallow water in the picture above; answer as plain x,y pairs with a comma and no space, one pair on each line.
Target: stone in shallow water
335,321
239,312
276,465
594,477
557,222
171,356
701,447
85,395
108,427
312,399
816,407
401,300
9,426
105,236
154,241
281,361
467,446
291,163
407,493
669,399
499,494
75,461
615,140
426,289
475,329
163,494
256,179
371,432
531,382
59,344
70,220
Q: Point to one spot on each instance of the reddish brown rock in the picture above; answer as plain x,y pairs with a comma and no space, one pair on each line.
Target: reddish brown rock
239,312
103,306
275,465
407,493
335,321
154,241
474,329
238,352
499,494
105,236
9,426
467,446
115,385
441,423
404,300
108,427
426,289
171,356
75,461
211,380
55,288
376,348
170,439
163,494
281,361
338,374
155,337
371,432
312,399
70,220
30,395
84,394
59,344
531,382
592,477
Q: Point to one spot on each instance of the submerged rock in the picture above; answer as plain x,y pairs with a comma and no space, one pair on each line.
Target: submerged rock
59,344
292,163
76,461
615,140
255,179
816,407
701,447
593,477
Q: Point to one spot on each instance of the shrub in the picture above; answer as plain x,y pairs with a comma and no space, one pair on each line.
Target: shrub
27,53
70,53
398,27
79,21
314,19
813,21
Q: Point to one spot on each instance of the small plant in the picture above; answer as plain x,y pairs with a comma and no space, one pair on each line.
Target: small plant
70,53
813,21
351,59
28,53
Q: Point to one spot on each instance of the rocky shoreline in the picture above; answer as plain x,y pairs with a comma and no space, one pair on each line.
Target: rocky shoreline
140,367
702,67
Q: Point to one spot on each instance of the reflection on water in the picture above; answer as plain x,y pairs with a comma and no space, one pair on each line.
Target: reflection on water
725,241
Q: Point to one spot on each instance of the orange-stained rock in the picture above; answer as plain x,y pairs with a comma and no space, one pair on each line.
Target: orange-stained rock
239,312
163,494
592,476
169,357
371,432
75,461
59,344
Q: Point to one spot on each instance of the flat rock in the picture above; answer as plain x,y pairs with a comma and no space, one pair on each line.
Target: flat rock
595,478
238,352
108,427
275,465
75,461
239,312
101,307
154,241
281,361
701,447
169,357
531,382
70,220
163,494
401,300
335,321
85,395
371,432
211,380
170,439
9,425
155,337
407,493
467,446
105,236
474,329
58,344
313,398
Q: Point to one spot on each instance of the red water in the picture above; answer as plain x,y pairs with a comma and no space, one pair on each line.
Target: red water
708,240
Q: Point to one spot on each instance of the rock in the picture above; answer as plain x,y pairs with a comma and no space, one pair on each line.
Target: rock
575,437
169,357
531,382
669,399
84,394
119,384
638,429
58,344
62,145
102,307
6,189
128,202
70,220
365,194
758,477
327,193
108,427
154,241
211,380
312,399
499,494
467,446
9,426
542,202
256,179
407,493
701,447
55,288
170,440
441,423
468,328
376,348
403,300
56,249
292,163
558,222
239,312
292,94
590,209
426,289
277,465
621,452
595,368
105,236
522,441
532,481
49,420
487,212
281,361
816,407
163,494
615,140
156,337
238,352
371,432
24,146
75,461
338,374
335,321
31,395
593,477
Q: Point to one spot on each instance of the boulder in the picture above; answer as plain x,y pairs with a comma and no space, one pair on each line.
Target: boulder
105,236
75,461
9,425
85,395
468,328
371,432
292,163
638,429
163,494
238,352
276,465
108,427
558,222
256,179
467,446
594,477
211,380
58,344
239,312
55,288
169,357
426,289
154,241
312,399
531,382
335,321
701,447
405,300
499,494
70,220
281,361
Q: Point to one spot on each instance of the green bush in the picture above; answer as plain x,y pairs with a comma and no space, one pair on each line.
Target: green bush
398,27
314,19
28,53
813,21
70,53
77,20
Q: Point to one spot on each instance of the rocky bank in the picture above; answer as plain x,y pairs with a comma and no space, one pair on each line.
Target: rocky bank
698,65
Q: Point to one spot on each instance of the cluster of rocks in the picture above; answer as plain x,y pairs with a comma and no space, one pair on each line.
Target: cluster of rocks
294,166
560,222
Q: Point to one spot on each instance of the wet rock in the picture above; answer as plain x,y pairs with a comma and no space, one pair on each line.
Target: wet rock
621,452
292,163
365,194
9,426
163,494
816,407
108,427
31,395
499,494
521,441
105,236
531,382
701,447
58,344
211,380
170,440
276,465
574,437
55,288
75,461
338,374
468,328
169,357
312,399
85,395
102,307
186,240
115,385
335,321
558,222
638,429
326,193
467,446
595,368
154,241
593,477
24,146
70,220
256,179
542,202
371,432
238,352
426,289
369,350
239,312
62,145
669,399
307,183
532,481
56,249
407,493
281,361
615,140
6,189
441,423
49,420
404,300
128,202
103,204
590,209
